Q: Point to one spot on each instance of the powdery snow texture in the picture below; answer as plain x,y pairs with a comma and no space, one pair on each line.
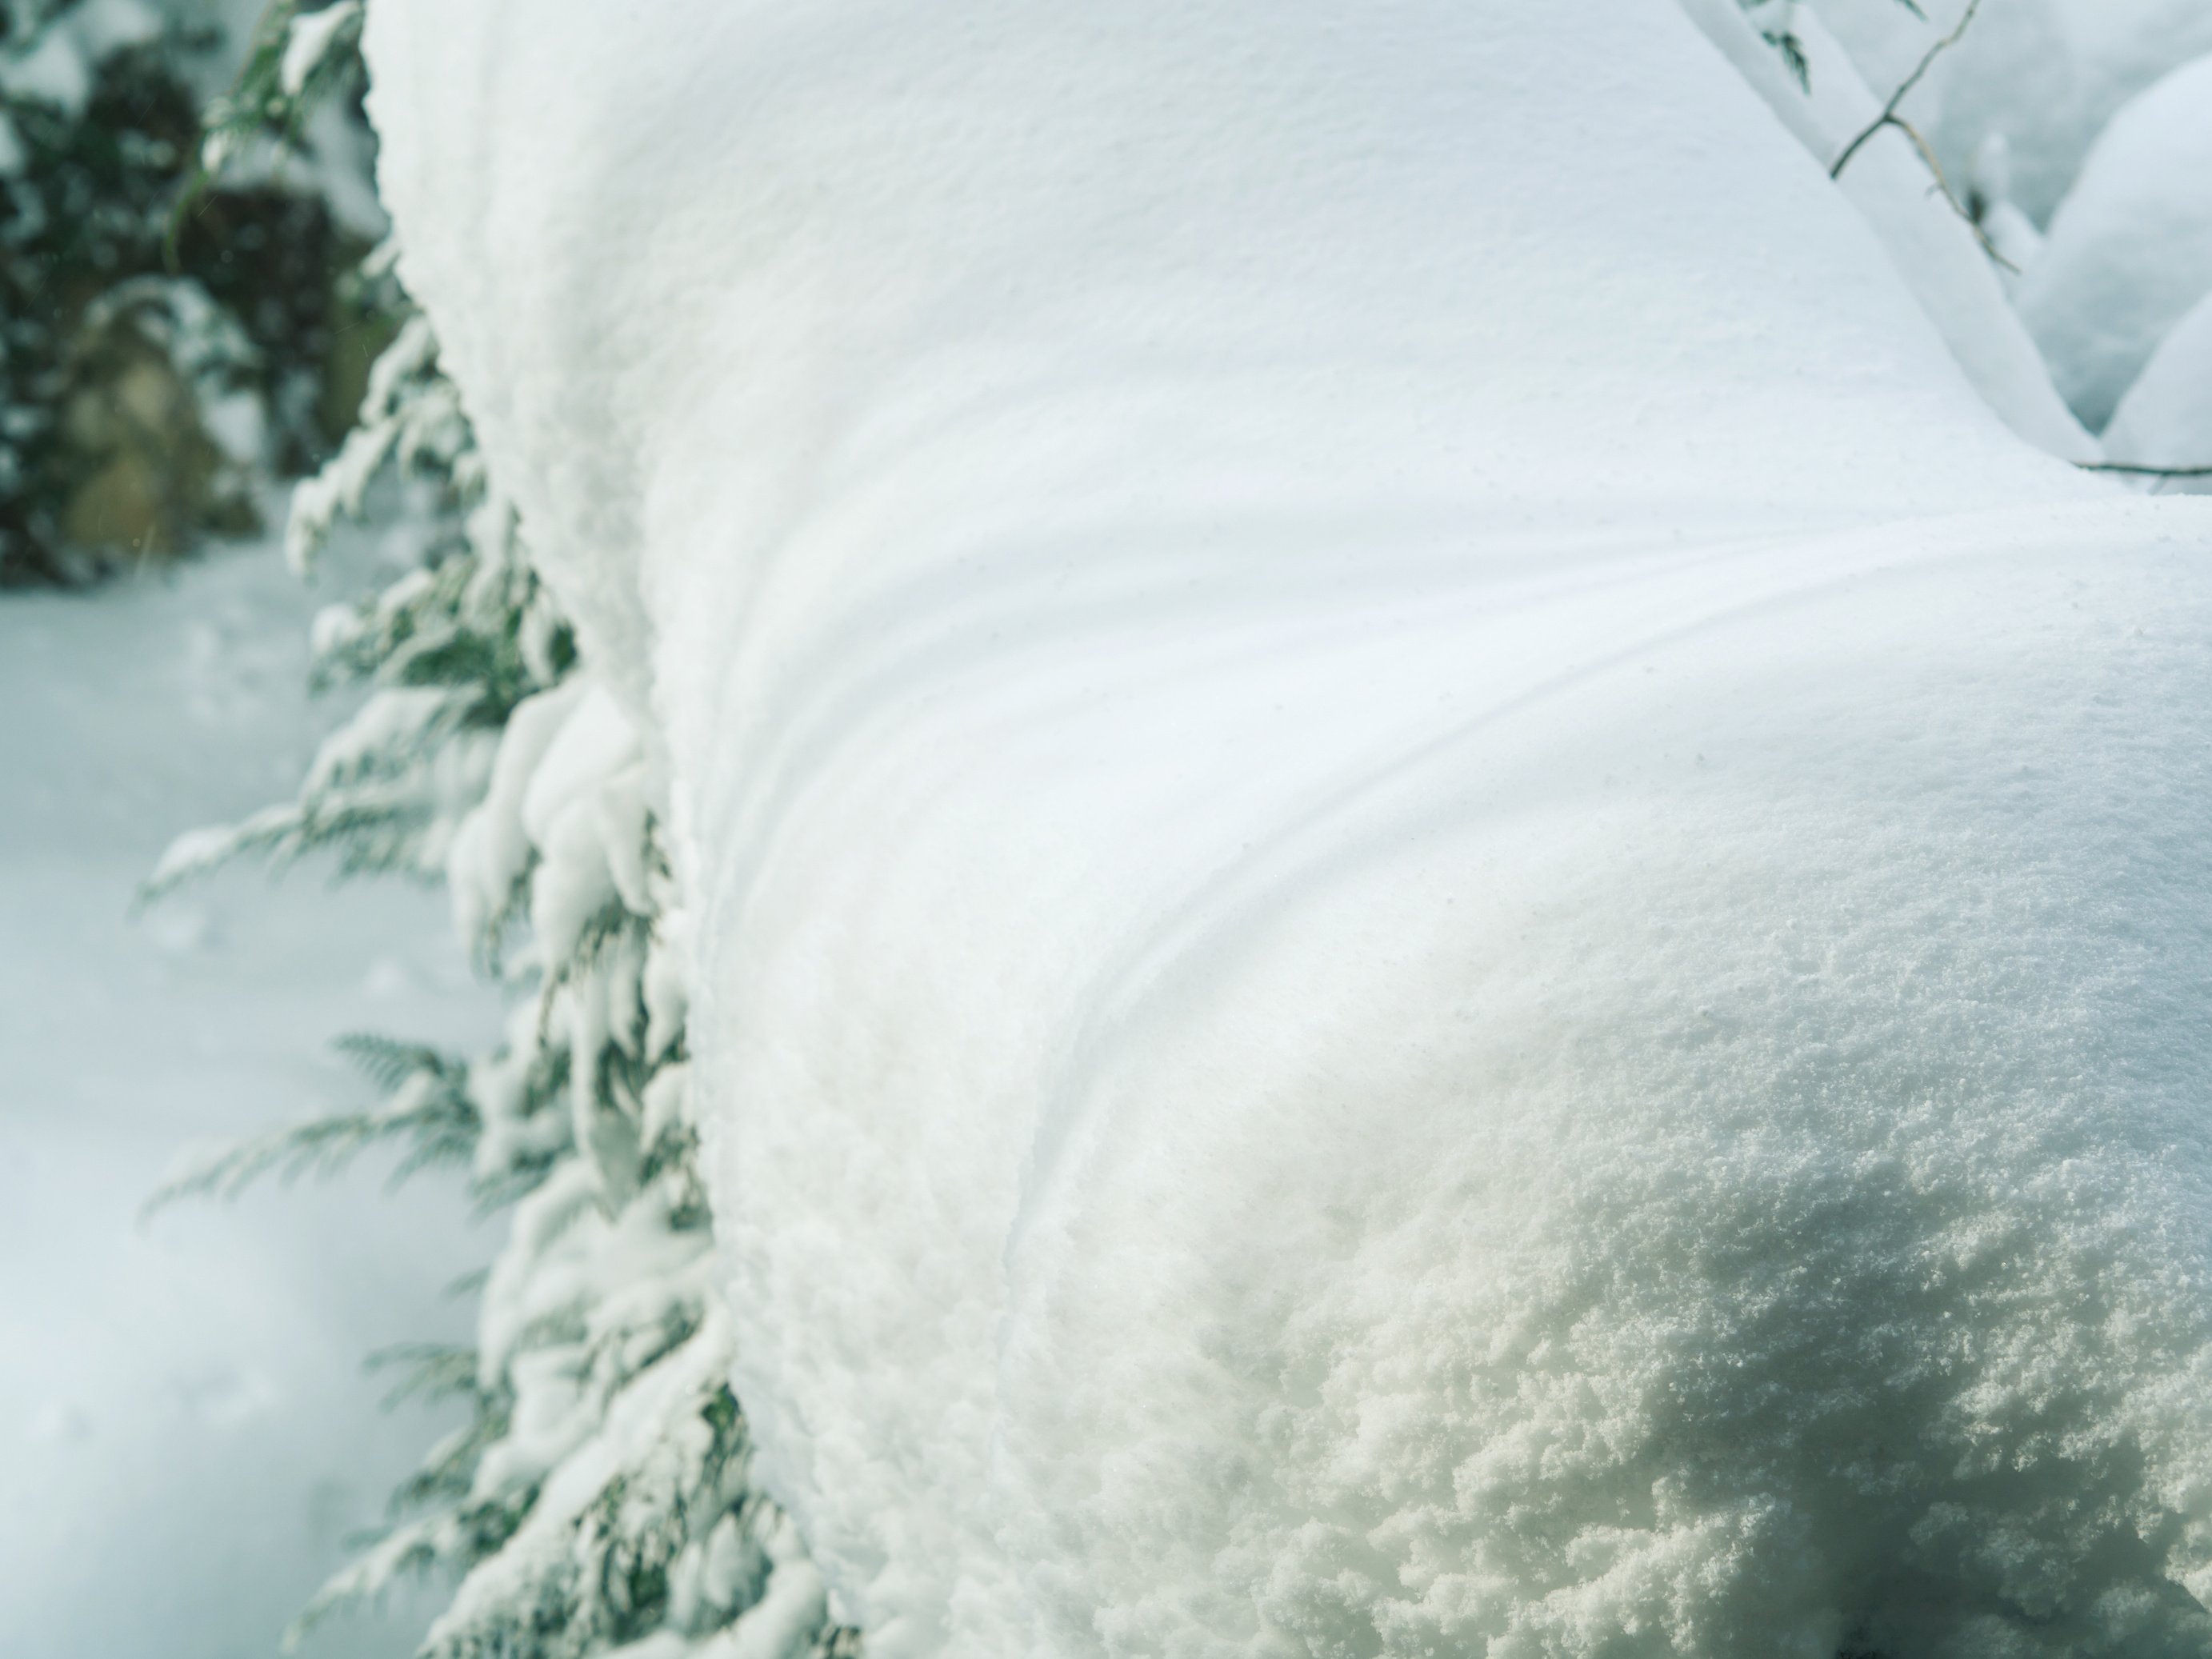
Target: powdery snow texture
1439,910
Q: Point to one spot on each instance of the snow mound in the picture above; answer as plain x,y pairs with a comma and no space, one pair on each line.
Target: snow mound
2123,46
2165,419
2131,247
1437,908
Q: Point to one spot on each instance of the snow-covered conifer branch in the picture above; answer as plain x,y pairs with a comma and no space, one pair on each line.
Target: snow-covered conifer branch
598,1497
426,1110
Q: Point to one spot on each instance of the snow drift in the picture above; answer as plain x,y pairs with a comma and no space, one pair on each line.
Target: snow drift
1438,909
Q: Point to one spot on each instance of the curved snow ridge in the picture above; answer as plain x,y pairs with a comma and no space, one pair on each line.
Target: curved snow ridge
1438,909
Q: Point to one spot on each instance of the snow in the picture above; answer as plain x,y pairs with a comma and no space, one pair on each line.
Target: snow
2043,76
2017,74
2165,419
2122,47
2015,241
1436,907
492,850
582,812
308,41
54,71
2131,248
1885,39
186,1435
1928,237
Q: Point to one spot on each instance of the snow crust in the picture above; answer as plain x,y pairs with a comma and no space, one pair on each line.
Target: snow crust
1436,907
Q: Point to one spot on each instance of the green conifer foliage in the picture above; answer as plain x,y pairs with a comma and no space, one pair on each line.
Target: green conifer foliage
599,1497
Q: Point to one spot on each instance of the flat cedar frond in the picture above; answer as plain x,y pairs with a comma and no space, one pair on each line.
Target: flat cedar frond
430,1371
437,1121
388,1062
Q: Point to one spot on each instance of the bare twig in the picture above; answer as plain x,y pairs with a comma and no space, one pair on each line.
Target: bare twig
1889,118
2126,469
1943,188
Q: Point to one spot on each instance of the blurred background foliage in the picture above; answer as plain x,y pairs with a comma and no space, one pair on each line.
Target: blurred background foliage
173,337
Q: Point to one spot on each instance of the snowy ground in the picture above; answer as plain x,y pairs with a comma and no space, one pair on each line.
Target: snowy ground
186,1435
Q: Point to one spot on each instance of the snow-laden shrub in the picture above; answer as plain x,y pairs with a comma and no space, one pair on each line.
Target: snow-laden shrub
1438,912
598,1496
599,1493
601,1496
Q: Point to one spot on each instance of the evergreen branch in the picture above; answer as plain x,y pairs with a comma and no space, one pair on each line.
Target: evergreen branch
271,94
436,1114
434,1370
388,1062
1793,58
471,1283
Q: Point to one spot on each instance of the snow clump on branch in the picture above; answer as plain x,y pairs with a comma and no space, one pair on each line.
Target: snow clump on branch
1437,908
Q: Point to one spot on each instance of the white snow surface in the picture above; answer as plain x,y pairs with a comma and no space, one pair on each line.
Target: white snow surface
2165,419
2131,247
1437,908
1924,232
187,1437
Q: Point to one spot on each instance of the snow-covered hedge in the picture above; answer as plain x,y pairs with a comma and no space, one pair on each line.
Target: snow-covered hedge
1437,908
1434,906
598,1496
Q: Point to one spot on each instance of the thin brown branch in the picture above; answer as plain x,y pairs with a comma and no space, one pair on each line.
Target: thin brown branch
1942,184
2127,470
1888,116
